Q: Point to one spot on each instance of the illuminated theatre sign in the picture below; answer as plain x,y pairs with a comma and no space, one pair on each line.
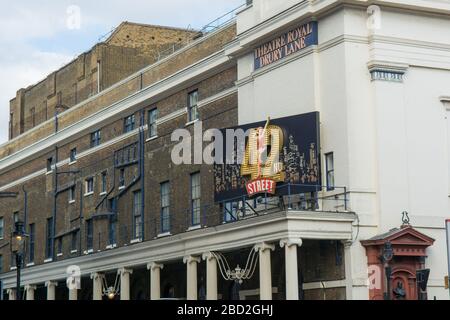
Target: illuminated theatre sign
274,153
287,44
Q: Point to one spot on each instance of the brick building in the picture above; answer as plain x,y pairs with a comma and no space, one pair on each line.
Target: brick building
88,168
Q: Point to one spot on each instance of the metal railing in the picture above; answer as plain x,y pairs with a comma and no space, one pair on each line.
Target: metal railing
226,212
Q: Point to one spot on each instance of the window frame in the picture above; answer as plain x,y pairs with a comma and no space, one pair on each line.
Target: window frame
129,123
49,239
152,126
192,108
137,215
50,164
104,183
89,235
96,138
195,201
2,228
31,242
328,171
89,186
73,155
165,206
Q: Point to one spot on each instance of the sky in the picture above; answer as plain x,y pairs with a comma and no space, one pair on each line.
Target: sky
38,37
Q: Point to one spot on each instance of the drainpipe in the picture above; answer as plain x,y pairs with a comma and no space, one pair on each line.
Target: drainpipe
80,218
141,170
25,206
55,195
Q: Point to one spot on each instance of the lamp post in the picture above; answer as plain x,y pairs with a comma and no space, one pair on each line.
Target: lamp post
388,254
17,248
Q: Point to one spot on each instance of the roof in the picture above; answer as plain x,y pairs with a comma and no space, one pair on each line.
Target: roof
406,235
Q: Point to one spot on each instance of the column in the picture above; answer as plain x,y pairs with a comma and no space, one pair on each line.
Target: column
97,286
125,283
73,294
155,280
265,270
11,294
51,290
348,270
291,262
191,263
29,289
211,276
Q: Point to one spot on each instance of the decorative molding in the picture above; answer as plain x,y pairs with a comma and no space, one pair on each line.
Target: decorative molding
266,228
264,246
289,242
123,271
217,97
191,259
51,284
387,71
153,265
445,101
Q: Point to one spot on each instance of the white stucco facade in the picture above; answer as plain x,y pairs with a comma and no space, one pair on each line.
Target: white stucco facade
390,136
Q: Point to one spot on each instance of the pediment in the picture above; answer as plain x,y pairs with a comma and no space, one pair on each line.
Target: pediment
406,235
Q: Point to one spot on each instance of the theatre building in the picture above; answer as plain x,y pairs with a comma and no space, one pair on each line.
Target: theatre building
349,101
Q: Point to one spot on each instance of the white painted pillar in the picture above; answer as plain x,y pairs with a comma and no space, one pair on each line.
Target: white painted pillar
155,280
73,294
211,276
348,270
125,283
51,290
97,286
29,289
265,270
11,294
191,263
291,262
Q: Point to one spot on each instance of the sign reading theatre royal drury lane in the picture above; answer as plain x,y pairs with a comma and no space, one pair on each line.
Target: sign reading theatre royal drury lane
275,152
287,44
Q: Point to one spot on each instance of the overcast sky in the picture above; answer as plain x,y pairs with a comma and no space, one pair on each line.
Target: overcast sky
37,37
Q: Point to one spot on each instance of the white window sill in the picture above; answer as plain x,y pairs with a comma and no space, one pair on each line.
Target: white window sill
194,228
13,268
152,138
59,255
73,251
71,201
48,173
88,194
30,264
135,241
89,251
111,246
103,194
72,163
190,123
48,260
162,235
121,187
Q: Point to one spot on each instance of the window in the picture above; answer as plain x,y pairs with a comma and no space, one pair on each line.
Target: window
73,155
49,242
31,243
122,178
104,180
59,246
128,124
112,222
195,198
231,211
15,217
89,234
329,159
89,186
96,138
152,117
50,164
192,106
74,241
137,216
11,125
2,228
165,207
72,194
1,263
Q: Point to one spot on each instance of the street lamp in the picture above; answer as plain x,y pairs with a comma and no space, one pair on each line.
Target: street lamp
17,248
388,254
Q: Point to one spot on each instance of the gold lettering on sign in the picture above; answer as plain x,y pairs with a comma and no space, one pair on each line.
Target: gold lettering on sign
262,154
